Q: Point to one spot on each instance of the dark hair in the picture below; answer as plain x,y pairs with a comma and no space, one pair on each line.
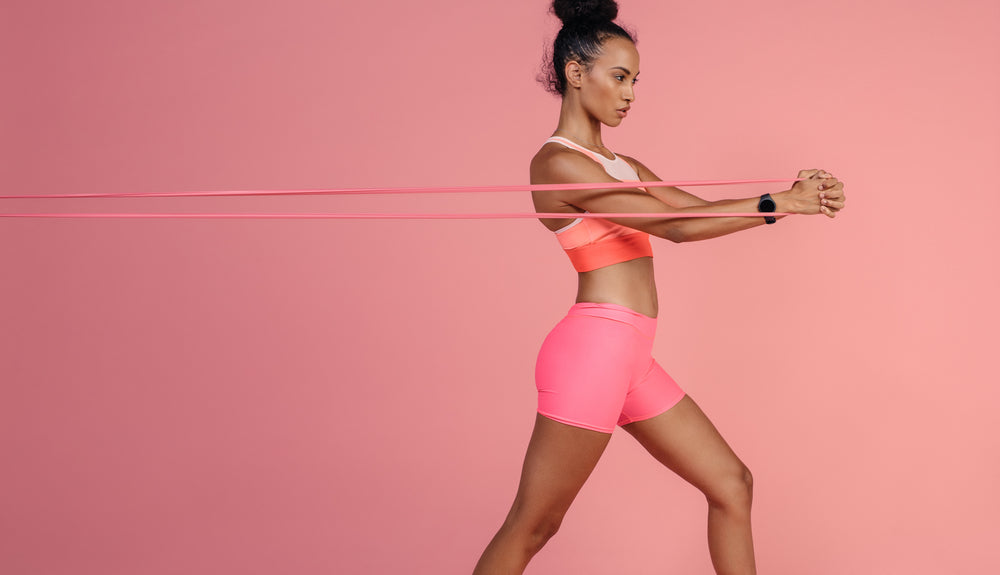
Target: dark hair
586,25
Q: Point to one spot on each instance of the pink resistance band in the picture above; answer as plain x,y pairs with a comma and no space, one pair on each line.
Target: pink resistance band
344,191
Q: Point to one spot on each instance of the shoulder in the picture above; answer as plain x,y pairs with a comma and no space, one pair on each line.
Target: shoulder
555,163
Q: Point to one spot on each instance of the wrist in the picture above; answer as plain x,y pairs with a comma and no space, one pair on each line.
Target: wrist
767,205
783,203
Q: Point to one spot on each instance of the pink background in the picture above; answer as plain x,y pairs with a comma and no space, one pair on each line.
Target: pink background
221,396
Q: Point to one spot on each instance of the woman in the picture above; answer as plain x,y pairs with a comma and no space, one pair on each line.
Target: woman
594,370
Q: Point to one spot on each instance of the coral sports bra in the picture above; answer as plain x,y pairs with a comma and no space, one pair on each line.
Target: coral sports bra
593,243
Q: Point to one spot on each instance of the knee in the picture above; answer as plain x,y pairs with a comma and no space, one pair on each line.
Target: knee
540,530
535,532
544,530
733,490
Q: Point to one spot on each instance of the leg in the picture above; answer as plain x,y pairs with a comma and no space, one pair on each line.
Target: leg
582,375
683,439
558,461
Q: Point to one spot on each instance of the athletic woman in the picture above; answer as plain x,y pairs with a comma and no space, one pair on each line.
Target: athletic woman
595,370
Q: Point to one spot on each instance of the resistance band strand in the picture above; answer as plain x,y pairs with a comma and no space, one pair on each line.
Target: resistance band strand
453,189
423,190
407,216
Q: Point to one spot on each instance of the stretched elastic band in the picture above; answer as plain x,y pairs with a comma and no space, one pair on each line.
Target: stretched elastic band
405,216
426,190
422,190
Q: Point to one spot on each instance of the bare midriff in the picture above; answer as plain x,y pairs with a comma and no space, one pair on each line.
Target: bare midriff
630,283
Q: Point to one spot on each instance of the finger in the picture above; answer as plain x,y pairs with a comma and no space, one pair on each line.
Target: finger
834,194
829,183
833,204
827,211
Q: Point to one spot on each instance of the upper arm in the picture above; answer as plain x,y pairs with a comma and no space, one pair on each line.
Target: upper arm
668,194
562,167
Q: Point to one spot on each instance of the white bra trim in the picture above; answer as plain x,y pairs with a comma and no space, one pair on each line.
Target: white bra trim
571,144
571,224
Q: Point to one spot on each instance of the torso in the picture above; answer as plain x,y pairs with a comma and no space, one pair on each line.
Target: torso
630,283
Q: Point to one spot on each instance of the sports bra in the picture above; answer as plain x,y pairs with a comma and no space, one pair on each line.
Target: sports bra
593,243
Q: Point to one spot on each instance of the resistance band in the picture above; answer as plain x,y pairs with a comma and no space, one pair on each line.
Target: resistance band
345,191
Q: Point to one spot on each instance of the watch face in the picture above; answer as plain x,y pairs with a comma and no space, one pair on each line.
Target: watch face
766,205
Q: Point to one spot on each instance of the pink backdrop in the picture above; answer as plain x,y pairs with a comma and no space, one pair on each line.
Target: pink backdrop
222,396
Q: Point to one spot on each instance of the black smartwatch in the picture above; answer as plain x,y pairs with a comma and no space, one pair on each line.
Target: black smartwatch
766,204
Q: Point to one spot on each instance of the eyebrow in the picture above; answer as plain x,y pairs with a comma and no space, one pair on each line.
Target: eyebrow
624,69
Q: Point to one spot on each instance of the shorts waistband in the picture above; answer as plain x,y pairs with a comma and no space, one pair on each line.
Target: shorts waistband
642,322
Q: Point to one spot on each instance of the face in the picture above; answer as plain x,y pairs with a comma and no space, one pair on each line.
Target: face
608,90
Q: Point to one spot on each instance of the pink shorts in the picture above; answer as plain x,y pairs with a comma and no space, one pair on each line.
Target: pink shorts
595,369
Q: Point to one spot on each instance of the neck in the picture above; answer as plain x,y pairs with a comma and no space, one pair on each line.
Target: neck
576,124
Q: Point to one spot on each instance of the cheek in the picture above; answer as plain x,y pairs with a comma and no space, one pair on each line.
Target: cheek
615,93
602,95
609,91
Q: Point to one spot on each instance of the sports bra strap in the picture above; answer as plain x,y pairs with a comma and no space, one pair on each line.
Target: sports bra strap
571,144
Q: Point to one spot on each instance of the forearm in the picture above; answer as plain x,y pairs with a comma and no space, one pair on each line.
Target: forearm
676,197
695,229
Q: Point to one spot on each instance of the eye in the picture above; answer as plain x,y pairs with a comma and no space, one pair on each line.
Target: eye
634,80
620,77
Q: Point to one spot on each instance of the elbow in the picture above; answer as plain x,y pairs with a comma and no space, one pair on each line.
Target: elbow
673,232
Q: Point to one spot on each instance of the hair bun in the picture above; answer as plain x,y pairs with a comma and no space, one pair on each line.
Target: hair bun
581,11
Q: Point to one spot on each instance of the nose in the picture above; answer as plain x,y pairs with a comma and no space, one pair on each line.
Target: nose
629,94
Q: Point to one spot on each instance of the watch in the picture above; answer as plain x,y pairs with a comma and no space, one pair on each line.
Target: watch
766,204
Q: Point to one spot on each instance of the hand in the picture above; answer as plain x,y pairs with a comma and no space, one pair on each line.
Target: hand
819,193
832,198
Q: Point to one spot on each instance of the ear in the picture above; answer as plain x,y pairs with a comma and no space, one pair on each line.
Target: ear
574,74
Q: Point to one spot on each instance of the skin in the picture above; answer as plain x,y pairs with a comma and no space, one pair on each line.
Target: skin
560,457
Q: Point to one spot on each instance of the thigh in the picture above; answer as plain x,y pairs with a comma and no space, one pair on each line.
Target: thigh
683,439
558,461
650,395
